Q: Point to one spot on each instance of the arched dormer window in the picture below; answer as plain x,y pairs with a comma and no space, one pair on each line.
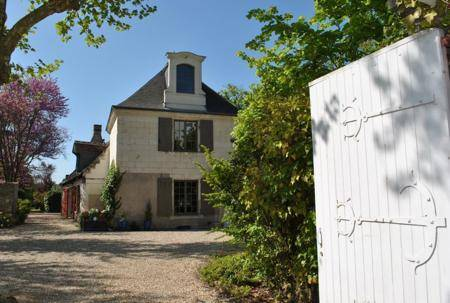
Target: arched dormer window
185,79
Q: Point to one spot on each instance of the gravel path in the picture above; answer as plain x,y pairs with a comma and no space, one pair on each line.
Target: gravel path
48,260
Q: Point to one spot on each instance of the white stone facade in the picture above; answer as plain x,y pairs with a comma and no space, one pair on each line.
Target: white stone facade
134,143
91,184
135,138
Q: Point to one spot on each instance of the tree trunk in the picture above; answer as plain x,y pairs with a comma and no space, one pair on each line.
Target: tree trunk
5,69
9,39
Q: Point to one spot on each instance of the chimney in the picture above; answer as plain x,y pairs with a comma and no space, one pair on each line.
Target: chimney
97,136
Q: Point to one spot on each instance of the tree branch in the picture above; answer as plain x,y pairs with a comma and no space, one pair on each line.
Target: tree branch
3,15
23,26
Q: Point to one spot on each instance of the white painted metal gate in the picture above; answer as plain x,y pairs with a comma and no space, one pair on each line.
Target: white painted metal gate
382,173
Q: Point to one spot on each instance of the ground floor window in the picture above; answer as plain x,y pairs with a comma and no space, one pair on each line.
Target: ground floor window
185,197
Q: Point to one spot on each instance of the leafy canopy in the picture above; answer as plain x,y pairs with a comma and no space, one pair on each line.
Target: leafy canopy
420,14
291,52
236,95
85,16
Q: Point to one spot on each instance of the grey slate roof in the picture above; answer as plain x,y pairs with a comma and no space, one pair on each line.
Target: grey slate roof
86,153
151,97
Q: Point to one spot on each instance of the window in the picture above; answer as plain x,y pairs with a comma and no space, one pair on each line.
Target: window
185,136
185,197
185,79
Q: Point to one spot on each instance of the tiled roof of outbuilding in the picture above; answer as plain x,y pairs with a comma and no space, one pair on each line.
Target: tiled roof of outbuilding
88,154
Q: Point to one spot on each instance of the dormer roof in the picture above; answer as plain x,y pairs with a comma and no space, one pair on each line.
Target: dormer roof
185,55
151,97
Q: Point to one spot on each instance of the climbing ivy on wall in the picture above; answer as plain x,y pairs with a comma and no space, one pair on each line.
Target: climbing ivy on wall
110,188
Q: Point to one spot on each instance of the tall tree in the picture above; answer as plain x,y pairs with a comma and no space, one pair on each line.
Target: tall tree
86,15
236,95
266,186
29,131
42,176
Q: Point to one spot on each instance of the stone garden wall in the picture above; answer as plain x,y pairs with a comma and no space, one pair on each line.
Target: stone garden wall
8,197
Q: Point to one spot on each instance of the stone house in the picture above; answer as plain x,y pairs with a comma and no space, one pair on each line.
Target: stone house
155,138
81,189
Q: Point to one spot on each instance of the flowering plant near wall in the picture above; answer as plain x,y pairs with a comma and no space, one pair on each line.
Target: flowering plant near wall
5,220
93,214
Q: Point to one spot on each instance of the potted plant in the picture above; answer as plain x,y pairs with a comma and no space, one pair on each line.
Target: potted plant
93,220
148,217
122,223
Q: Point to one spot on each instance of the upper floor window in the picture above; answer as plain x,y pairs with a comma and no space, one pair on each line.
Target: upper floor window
185,136
185,79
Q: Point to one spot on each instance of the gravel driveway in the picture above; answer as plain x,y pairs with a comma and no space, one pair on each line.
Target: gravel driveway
49,260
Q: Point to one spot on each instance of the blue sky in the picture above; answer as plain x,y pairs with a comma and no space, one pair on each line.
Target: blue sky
94,79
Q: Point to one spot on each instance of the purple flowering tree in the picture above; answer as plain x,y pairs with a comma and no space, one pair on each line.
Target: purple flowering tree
29,131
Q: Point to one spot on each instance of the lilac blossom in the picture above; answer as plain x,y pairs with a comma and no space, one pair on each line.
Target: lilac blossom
29,131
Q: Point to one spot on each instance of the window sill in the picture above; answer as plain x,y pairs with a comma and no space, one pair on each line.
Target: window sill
176,217
186,93
187,151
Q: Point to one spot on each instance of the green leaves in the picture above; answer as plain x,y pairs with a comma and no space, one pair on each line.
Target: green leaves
266,190
291,52
94,14
39,69
267,185
86,17
236,95
421,14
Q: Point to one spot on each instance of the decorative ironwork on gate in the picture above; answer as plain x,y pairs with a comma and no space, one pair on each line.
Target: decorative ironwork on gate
430,221
358,117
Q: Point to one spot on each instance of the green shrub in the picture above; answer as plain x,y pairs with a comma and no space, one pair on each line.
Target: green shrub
232,274
266,189
5,220
52,200
23,209
26,193
38,201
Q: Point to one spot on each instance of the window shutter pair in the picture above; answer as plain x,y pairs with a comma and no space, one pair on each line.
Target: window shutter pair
165,134
206,208
207,134
164,197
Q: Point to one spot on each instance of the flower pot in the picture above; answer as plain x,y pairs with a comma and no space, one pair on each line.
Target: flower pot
94,225
122,224
147,224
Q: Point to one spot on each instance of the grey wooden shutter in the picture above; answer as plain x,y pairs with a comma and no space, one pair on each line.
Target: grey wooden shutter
207,134
165,134
206,208
164,196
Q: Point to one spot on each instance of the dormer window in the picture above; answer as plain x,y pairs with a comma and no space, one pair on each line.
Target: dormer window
185,79
184,82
